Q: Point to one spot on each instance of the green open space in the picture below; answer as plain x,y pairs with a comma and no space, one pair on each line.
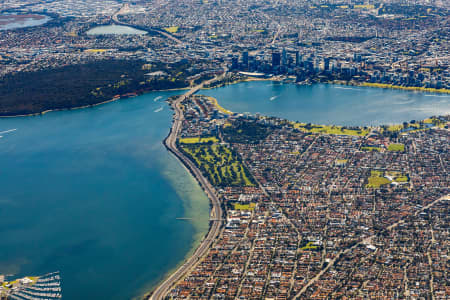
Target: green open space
379,178
199,140
172,29
219,164
309,246
396,147
331,129
250,206
414,125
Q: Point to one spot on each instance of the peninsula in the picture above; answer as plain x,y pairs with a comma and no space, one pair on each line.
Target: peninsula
216,211
307,211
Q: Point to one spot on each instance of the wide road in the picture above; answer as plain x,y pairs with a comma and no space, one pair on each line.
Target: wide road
216,212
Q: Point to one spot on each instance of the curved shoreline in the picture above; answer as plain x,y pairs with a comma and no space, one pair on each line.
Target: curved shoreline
363,85
216,211
341,82
90,105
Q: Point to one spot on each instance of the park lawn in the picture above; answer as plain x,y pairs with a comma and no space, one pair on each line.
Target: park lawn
96,50
199,140
330,129
376,173
395,128
238,206
401,179
377,179
341,161
376,182
172,29
309,246
219,164
435,122
396,147
408,88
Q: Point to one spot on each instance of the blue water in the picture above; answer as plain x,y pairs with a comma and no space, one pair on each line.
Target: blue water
13,23
330,104
114,29
94,194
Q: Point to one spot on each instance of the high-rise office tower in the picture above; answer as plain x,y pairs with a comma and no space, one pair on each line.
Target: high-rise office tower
284,58
276,59
245,59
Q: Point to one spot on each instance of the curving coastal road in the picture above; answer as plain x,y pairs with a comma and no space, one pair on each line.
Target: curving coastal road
216,212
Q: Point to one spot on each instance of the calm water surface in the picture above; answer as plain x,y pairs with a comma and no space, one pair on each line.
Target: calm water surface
93,193
12,21
330,104
114,29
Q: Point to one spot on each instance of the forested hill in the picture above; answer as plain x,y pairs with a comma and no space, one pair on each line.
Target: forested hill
84,84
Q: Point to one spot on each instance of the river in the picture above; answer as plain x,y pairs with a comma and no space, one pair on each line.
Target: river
327,104
94,194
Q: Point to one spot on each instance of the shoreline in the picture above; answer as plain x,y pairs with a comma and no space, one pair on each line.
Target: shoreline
250,79
394,87
192,199
341,82
215,215
90,105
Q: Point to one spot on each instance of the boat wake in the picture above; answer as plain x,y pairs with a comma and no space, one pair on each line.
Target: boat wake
431,95
158,109
273,98
344,88
7,131
158,98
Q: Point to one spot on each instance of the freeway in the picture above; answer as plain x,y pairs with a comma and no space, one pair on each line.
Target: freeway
216,212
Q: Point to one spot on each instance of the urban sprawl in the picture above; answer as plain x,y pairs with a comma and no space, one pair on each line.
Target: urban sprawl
318,212
300,211
384,43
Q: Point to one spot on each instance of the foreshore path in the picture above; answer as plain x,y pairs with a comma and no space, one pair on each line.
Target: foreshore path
216,212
